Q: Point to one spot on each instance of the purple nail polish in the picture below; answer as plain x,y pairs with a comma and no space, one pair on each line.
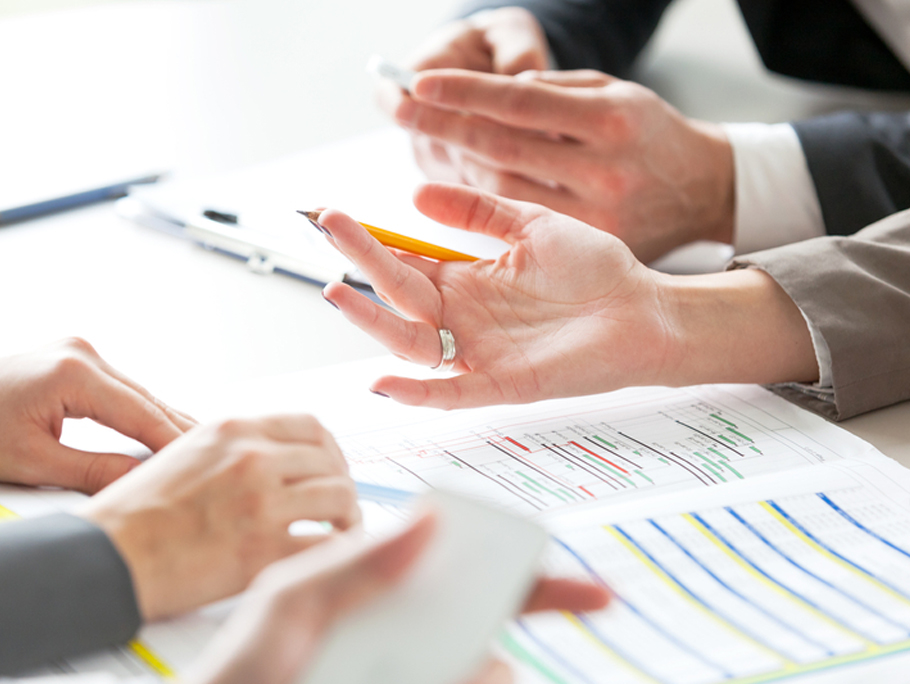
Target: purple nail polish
318,226
330,301
381,394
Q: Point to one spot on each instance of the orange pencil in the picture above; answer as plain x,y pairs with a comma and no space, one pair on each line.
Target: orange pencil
402,242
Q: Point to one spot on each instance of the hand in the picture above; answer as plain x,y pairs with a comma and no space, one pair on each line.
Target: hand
567,311
200,519
70,380
285,615
608,152
502,41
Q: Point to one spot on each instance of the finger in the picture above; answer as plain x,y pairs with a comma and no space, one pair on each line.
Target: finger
507,147
575,78
435,159
92,393
389,96
428,267
414,295
298,543
83,471
371,573
462,391
561,199
514,186
293,463
532,105
178,418
479,212
300,428
494,672
417,342
571,595
459,44
331,499
516,46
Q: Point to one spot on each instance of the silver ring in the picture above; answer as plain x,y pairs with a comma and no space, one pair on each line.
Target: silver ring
447,362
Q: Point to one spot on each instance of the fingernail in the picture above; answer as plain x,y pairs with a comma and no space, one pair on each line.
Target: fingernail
428,89
381,394
406,112
330,301
311,216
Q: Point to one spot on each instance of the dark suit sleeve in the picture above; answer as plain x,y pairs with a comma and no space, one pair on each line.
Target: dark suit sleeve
606,35
856,293
64,590
860,164
827,41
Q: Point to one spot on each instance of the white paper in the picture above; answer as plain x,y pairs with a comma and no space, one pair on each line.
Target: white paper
638,510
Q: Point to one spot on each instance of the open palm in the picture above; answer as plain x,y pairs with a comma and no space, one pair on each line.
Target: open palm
568,310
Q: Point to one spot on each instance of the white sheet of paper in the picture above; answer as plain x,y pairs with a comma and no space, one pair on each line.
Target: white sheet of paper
648,635
437,625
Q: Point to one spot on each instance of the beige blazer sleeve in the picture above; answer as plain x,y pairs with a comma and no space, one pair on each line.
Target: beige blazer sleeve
856,292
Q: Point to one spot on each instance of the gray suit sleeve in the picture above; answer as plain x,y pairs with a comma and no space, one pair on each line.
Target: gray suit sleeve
606,35
856,292
64,590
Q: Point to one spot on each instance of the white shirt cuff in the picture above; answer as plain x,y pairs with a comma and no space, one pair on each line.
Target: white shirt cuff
776,201
822,356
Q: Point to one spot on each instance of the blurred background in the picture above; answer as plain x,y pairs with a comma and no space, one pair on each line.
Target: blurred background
107,88
103,91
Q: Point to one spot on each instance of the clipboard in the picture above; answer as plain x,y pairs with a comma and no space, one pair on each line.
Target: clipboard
371,177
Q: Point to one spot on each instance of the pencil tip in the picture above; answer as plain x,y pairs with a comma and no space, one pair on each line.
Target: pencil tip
312,215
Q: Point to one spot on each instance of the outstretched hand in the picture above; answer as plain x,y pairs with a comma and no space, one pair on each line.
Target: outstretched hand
567,310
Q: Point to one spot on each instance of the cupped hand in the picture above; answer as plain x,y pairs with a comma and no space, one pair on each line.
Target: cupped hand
508,40
567,310
198,521
608,152
70,380
284,617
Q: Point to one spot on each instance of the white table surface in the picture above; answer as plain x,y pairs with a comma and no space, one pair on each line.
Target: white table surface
239,81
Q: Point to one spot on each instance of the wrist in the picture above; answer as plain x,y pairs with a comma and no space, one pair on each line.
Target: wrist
715,213
134,538
739,327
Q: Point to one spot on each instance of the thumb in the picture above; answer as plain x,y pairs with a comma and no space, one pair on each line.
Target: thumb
516,42
83,471
373,572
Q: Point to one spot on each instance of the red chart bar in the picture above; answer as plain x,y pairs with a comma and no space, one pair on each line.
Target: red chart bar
520,446
599,457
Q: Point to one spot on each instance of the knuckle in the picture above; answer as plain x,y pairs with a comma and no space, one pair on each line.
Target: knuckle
78,345
607,182
95,474
410,343
250,505
230,429
312,428
251,459
69,368
520,101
